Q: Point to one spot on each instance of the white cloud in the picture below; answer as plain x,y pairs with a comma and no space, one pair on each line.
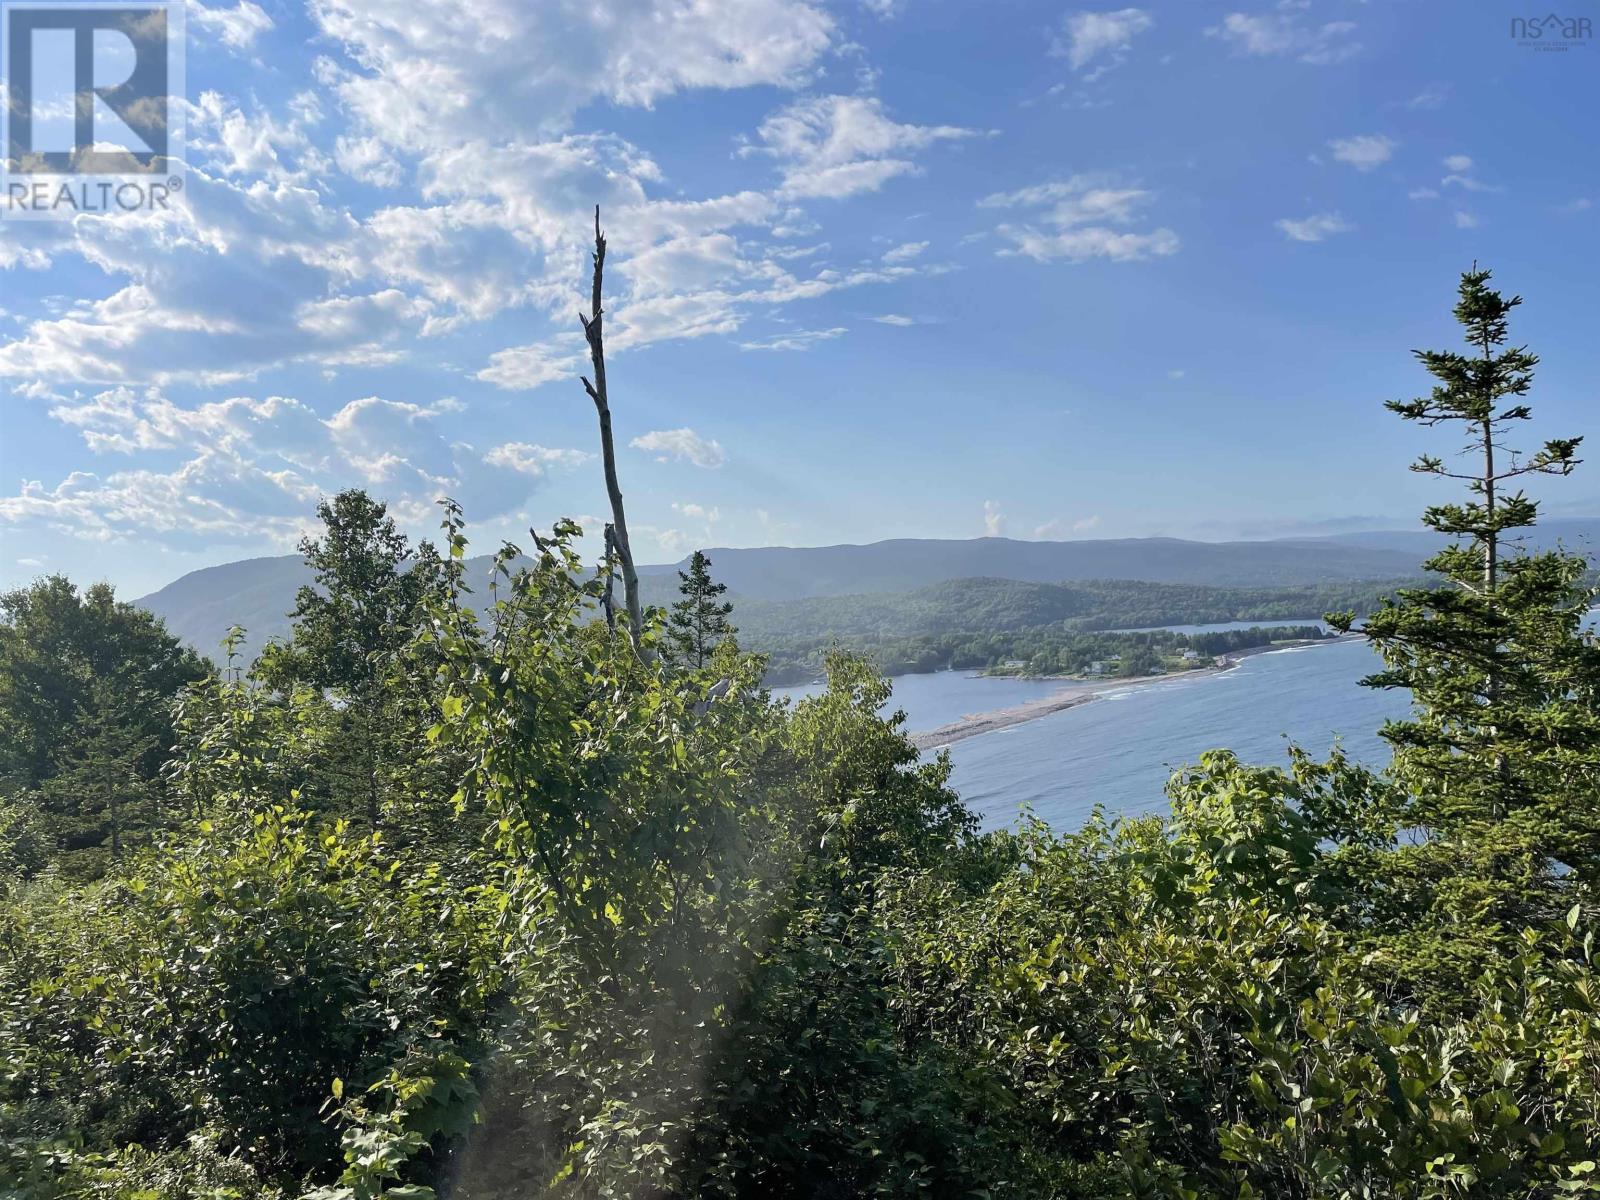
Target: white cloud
1431,97
1079,214
524,367
799,340
236,27
684,445
1055,528
245,275
263,268
994,521
1465,220
1364,152
1468,183
529,459
1176,373
428,75
367,159
1458,163
1314,228
32,258
250,470
836,146
698,512
905,252
894,319
1286,33
1087,36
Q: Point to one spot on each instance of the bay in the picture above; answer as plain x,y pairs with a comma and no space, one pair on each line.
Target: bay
1118,751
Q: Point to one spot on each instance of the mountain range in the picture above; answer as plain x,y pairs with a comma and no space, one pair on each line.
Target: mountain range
258,593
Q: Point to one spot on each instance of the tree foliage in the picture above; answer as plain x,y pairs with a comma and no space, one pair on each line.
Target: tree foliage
624,926
698,623
86,688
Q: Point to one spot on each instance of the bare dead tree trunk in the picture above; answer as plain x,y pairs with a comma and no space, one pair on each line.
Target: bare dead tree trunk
608,599
592,331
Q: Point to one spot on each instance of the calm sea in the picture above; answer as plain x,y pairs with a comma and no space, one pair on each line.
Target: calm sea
1118,750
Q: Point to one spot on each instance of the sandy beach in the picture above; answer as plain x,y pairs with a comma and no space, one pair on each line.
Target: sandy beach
1081,691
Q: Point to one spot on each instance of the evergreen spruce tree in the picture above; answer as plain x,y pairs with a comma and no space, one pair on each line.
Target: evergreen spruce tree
1501,755
98,795
700,620
351,632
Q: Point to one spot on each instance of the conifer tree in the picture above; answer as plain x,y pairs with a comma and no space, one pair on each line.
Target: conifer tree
700,620
350,632
1502,752
98,795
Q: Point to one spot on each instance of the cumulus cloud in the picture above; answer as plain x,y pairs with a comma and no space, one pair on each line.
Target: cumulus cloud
251,469
13,254
529,459
422,77
1314,228
265,268
1082,218
698,512
836,146
1087,36
1287,33
236,27
524,367
244,276
1364,152
682,445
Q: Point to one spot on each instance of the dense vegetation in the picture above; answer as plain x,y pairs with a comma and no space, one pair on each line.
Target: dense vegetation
478,895
777,582
979,623
1048,650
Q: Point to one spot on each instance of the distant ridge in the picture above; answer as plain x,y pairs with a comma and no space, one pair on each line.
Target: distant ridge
782,572
259,592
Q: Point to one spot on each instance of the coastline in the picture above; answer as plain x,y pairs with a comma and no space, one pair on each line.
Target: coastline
1078,692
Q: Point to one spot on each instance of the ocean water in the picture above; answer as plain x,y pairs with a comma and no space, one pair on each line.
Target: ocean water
1118,750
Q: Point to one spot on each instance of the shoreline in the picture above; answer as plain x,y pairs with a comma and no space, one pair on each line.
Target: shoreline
1076,692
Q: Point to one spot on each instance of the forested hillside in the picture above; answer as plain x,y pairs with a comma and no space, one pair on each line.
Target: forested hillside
960,622
543,895
902,589
977,623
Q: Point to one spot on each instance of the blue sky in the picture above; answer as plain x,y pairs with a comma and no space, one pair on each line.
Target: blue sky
883,268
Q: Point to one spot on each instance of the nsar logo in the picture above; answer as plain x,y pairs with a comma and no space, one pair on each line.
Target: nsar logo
1552,31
